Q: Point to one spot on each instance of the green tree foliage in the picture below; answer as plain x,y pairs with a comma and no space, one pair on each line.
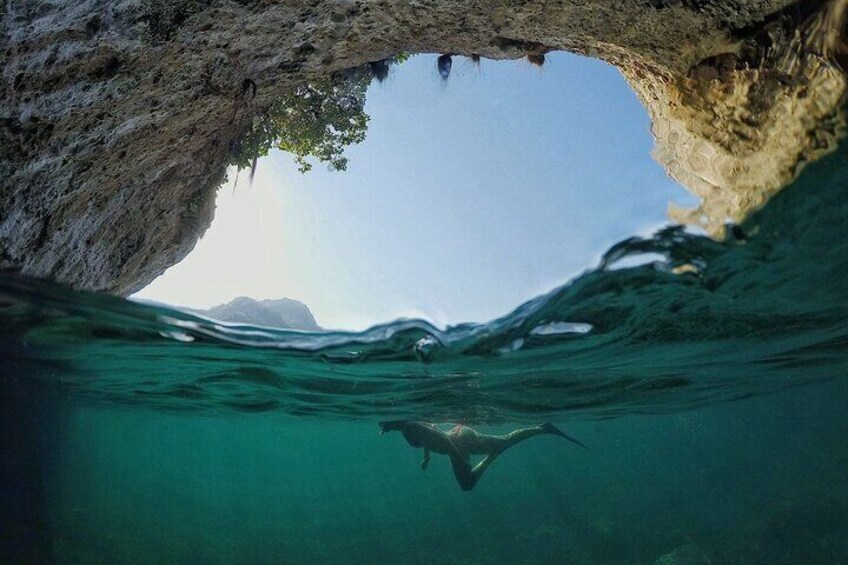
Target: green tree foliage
316,119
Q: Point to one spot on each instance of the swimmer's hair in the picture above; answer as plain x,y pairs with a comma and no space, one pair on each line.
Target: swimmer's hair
537,59
390,425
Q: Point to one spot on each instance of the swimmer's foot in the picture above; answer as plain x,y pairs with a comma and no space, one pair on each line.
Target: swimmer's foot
549,428
424,463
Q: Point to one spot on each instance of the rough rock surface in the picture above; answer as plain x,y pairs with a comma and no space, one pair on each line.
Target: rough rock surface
117,116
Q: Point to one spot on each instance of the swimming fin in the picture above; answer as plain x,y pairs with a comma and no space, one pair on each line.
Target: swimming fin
552,429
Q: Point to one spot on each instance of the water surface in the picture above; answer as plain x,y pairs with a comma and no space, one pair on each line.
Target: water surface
708,378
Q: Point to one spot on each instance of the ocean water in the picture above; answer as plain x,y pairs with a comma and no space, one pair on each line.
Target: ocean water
707,378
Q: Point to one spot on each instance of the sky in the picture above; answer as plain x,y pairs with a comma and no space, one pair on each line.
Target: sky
467,198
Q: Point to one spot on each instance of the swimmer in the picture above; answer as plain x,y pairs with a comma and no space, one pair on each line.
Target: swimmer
462,441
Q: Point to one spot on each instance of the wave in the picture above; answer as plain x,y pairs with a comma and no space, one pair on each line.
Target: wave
696,321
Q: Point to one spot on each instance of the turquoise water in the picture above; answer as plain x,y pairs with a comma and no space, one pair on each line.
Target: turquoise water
708,380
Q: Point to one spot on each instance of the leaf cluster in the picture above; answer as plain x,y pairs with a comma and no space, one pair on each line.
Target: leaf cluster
317,119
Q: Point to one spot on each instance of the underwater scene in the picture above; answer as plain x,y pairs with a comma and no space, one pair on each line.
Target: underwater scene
705,381
523,357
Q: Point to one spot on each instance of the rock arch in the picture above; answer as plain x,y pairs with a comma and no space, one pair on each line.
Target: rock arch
118,115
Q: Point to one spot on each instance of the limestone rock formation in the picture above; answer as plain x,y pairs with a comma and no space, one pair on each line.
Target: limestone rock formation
739,126
117,117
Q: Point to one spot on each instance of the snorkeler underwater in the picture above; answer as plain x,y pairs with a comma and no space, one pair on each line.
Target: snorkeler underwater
588,259
460,442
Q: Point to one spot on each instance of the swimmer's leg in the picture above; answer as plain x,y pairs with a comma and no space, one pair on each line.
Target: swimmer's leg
468,476
426,460
499,444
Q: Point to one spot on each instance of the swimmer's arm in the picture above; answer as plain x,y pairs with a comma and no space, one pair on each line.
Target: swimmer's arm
426,460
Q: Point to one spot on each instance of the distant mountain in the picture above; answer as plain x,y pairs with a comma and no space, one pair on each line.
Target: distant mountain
282,313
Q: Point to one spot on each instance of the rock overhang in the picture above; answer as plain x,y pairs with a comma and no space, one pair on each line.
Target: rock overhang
119,117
